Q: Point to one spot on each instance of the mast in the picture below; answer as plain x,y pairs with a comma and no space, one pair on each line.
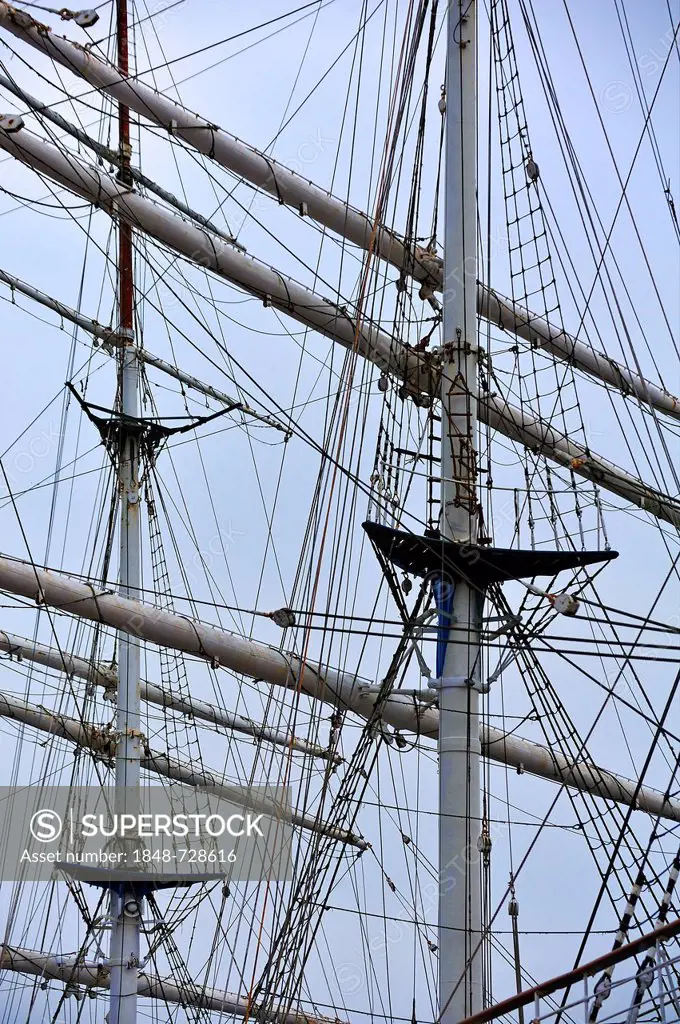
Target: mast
458,664
126,905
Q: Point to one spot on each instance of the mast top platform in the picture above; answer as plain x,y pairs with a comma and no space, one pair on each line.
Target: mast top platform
478,565
139,881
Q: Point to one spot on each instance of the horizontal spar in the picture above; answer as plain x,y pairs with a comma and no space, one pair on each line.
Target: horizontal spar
102,741
340,689
62,661
548,763
539,436
419,370
110,340
75,972
333,213
210,252
177,632
233,154
111,157
106,677
540,333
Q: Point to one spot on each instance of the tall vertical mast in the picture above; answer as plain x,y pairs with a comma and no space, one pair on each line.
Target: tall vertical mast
459,668
125,901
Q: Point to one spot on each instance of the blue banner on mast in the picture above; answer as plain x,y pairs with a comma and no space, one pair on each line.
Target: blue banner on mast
443,589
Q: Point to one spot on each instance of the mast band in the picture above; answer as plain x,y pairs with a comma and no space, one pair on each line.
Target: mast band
450,682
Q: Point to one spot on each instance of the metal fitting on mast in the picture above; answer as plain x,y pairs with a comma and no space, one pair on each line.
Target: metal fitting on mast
11,123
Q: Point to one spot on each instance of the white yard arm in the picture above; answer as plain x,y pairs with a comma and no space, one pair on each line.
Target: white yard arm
420,370
233,154
547,763
235,653
340,689
93,327
103,675
71,971
62,661
110,156
102,742
540,333
539,436
109,338
293,190
206,249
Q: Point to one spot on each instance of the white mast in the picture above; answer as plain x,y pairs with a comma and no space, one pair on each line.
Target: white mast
125,902
459,668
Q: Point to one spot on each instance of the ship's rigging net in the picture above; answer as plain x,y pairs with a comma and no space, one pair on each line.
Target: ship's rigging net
239,522
551,506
